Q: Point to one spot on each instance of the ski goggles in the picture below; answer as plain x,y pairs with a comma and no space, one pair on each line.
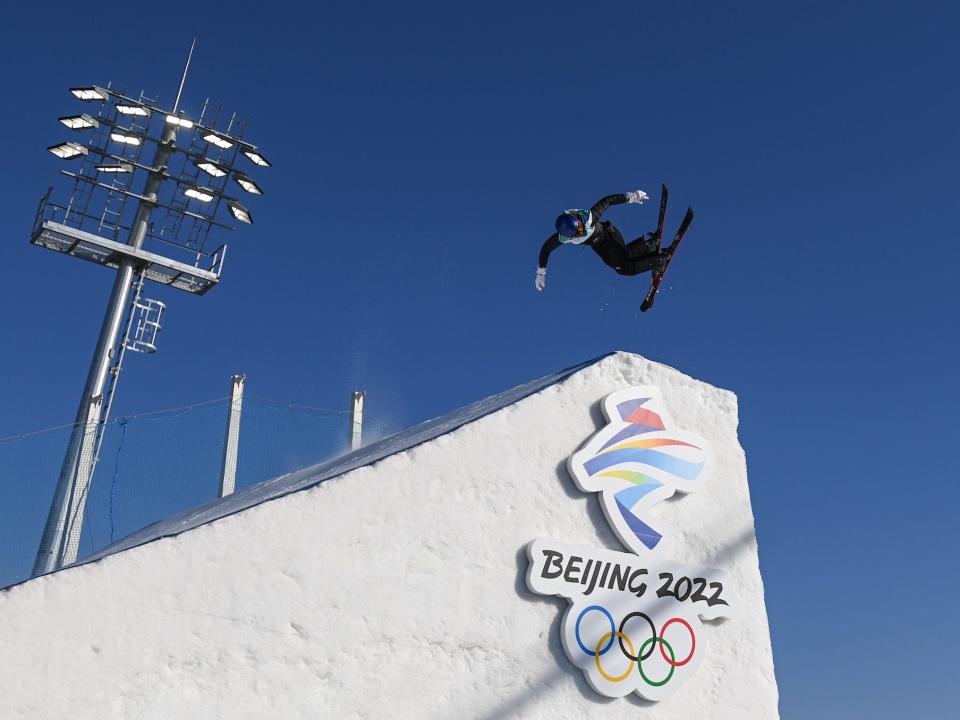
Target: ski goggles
580,227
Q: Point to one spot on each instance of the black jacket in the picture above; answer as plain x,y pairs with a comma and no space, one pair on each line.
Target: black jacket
606,240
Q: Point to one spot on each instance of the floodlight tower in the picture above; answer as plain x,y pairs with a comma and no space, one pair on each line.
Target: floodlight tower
89,226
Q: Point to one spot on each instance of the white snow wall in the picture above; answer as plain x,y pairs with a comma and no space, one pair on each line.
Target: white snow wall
394,591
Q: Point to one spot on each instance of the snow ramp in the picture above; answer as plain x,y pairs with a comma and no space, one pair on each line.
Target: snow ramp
395,581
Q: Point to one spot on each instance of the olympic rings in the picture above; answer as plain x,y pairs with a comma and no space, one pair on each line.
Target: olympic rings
673,667
613,628
596,658
646,648
621,636
693,642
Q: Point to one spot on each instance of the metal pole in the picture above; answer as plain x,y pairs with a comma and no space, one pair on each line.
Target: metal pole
356,420
71,493
231,448
90,449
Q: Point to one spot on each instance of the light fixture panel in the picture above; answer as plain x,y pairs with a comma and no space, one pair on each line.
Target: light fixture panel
241,213
257,159
200,194
220,142
180,121
124,139
80,122
210,167
89,94
118,168
68,150
247,184
130,109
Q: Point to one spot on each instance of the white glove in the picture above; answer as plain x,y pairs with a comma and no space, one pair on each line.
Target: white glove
637,196
541,282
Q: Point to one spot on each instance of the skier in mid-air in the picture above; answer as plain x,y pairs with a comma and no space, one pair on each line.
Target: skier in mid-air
584,227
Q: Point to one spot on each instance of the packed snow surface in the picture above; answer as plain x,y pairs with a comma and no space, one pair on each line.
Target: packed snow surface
390,583
314,475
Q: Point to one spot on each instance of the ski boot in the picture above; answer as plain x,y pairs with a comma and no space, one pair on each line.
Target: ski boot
663,259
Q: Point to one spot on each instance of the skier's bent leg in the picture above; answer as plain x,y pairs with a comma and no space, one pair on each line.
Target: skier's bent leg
644,263
643,245
636,267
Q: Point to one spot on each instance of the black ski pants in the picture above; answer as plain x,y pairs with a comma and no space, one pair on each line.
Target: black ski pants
633,258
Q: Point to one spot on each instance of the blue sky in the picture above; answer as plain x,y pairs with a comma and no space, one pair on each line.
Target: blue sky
420,155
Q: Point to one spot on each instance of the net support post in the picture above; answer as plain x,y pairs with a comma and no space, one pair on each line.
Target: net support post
231,447
356,419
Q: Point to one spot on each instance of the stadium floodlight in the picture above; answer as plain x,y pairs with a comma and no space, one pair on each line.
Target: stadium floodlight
220,142
89,94
124,138
80,122
241,213
118,168
180,121
257,159
68,150
210,167
247,184
100,226
133,109
201,194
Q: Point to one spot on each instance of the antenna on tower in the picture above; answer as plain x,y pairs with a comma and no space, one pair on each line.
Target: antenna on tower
183,78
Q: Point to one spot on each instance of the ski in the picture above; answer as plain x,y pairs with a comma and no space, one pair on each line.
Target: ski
662,216
658,277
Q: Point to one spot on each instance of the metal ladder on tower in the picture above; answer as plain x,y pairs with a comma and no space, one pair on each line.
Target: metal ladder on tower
111,219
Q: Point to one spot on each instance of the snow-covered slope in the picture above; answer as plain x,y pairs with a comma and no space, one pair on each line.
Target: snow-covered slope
311,476
390,583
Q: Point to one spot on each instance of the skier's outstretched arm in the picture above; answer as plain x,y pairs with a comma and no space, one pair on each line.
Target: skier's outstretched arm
549,245
600,207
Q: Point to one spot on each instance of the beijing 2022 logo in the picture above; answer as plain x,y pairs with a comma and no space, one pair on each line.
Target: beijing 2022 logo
633,624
